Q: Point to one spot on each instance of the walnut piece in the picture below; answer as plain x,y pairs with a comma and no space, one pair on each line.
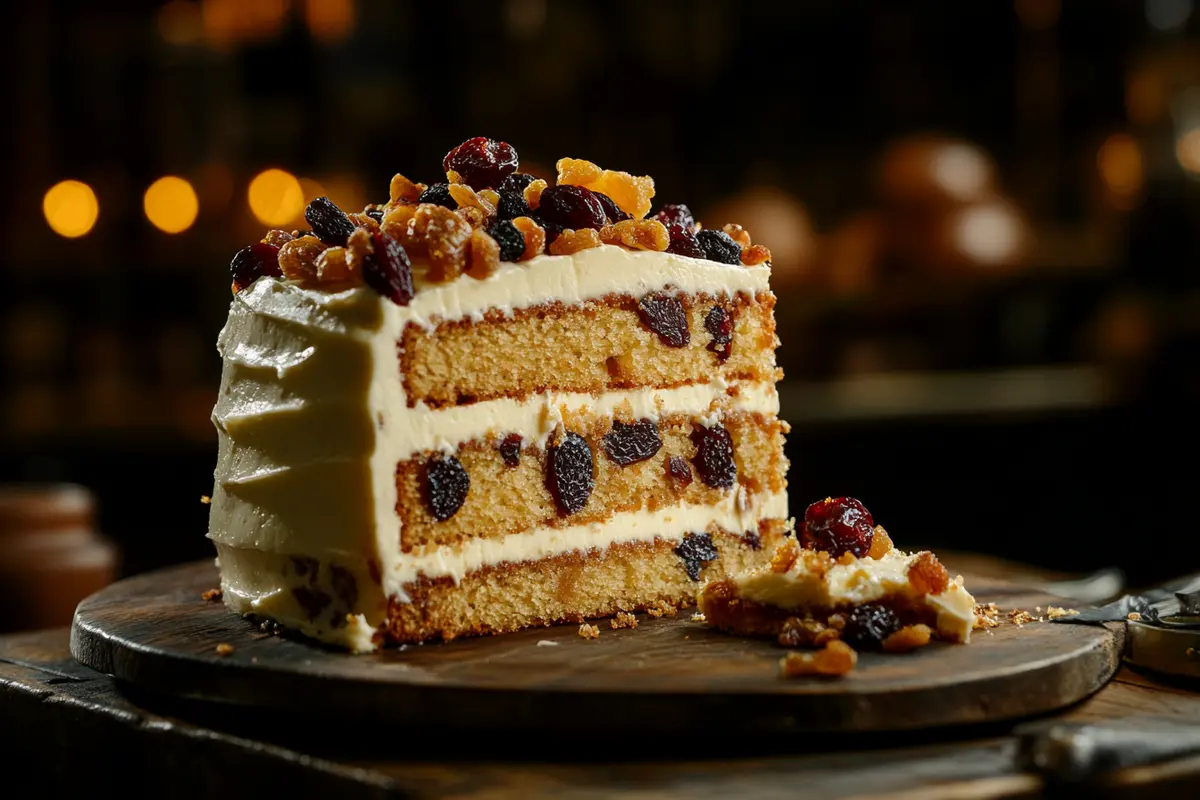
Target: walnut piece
754,255
738,234
570,241
298,258
638,234
535,237
484,255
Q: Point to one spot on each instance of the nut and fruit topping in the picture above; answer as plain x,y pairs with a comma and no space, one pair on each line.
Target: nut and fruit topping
534,234
631,194
482,163
570,207
388,270
439,195
837,658
328,222
570,241
637,234
719,247
684,242
510,240
869,625
677,214
838,525
254,262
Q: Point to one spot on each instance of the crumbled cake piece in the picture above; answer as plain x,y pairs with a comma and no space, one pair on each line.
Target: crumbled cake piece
1057,612
698,617
1021,617
205,499
623,619
224,649
836,659
587,631
987,615
211,595
662,609
1133,616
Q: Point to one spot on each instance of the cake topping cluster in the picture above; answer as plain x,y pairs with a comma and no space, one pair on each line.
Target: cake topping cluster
486,212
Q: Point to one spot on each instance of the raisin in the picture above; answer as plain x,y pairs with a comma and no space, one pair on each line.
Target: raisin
696,550
446,486
679,472
510,449
570,473
684,242
516,183
388,270
439,195
611,209
714,456
867,626
511,241
664,314
571,207
676,214
329,222
719,323
719,247
254,262
512,205
482,163
838,525
631,442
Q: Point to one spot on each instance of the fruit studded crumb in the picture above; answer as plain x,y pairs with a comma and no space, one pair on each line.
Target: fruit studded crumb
587,631
623,619
547,643
910,637
211,595
1056,612
987,615
662,610
1021,617
205,499
836,659
224,649
1133,616
698,617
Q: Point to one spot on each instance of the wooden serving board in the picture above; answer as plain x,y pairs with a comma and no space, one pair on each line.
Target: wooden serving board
668,675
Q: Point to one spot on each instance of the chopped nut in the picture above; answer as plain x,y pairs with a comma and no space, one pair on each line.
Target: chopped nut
277,238
987,616
799,632
881,543
754,255
623,619
358,248
639,234
836,659
474,217
436,233
224,649
535,237
738,234
333,265
211,595
631,194
587,631
927,575
910,637
570,241
484,256
298,258
364,221
1057,612
533,193
403,190
1020,617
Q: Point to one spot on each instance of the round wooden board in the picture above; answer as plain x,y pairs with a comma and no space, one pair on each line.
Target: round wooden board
668,675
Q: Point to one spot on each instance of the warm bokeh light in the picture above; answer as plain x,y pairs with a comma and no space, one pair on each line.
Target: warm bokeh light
1122,170
228,21
179,22
347,192
1145,95
71,208
924,168
1187,151
171,204
989,233
1040,15
777,219
275,197
329,20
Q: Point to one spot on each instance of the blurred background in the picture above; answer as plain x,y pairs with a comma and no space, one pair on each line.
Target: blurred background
983,218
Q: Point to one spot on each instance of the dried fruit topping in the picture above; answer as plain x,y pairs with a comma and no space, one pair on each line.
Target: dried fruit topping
737,233
679,472
684,242
375,214
631,194
869,625
446,486
881,543
512,205
714,456
482,162
473,216
516,182
638,234
329,223
569,241
511,240
466,197
611,209
533,193
402,190
433,232
535,237
696,550
837,659
908,638
719,247
719,324
439,195
570,473
571,207
388,271
298,258
483,255
277,238
510,449
927,575
664,314
333,265
754,255
630,442
676,214
254,262
838,525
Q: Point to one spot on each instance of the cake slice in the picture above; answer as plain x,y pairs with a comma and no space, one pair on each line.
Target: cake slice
492,403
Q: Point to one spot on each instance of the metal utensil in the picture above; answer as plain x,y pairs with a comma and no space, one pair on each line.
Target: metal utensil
1076,752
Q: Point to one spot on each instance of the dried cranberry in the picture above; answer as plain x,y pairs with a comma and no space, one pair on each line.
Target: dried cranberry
388,270
719,323
481,162
611,209
676,214
254,262
570,473
631,442
683,242
664,314
439,195
714,456
511,240
719,247
510,449
679,472
446,486
512,205
838,525
517,182
696,550
571,207
329,222
867,626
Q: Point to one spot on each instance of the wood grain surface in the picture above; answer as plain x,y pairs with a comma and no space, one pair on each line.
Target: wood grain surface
669,675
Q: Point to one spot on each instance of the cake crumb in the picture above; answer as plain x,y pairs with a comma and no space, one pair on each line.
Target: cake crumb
836,659
1021,617
547,643
212,595
1134,616
987,616
587,631
623,619
205,499
224,649
662,610
1058,612
698,617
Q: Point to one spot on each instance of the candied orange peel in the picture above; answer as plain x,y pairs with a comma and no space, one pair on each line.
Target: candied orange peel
631,193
